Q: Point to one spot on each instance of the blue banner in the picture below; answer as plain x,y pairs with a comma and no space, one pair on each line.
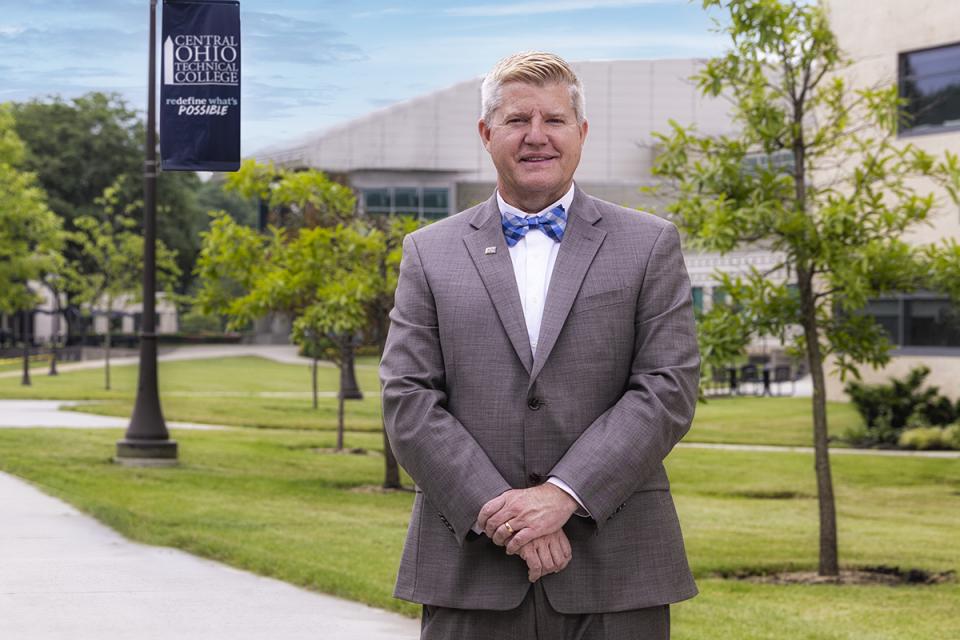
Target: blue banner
200,86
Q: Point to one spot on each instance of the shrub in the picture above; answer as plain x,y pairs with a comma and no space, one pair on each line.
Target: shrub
888,409
194,321
922,438
951,437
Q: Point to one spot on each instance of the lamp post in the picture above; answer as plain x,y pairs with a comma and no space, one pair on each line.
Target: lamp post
147,441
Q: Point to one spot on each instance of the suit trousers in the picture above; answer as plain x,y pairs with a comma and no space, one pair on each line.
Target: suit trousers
535,619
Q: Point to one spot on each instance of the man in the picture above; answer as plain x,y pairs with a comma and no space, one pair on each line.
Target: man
540,365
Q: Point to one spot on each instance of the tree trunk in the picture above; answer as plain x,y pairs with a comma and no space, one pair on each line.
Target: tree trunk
829,561
391,476
313,375
25,380
391,471
340,411
348,375
106,344
53,341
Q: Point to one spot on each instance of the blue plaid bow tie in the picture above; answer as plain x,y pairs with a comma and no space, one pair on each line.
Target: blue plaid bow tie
552,223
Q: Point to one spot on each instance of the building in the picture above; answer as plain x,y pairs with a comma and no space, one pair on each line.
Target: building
424,156
915,45
44,324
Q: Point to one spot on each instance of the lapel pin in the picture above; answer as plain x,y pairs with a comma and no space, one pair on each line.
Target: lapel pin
489,250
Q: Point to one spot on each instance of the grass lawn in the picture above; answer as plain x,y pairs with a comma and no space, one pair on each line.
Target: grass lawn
255,392
265,501
777,421
16,364
243,391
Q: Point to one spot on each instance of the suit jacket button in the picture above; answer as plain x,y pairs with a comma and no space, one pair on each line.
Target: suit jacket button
534,403
535,478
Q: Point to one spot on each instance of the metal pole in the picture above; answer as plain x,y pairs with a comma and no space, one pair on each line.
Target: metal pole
147,441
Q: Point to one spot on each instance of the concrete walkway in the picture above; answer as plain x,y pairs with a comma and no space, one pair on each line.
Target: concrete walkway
286,354
25,414
64,576
833,450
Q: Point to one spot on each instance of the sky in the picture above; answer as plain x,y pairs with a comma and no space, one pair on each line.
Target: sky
311,64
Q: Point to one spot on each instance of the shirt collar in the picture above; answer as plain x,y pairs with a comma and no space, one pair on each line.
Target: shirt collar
566,201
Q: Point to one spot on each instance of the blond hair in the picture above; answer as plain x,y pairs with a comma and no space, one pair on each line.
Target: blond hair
531,67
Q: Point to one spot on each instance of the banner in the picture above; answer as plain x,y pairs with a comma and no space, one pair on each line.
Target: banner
200,86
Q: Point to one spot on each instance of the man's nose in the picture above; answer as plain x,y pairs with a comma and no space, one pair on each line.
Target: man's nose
536,134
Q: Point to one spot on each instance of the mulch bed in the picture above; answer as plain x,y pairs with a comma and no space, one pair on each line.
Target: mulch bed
880,575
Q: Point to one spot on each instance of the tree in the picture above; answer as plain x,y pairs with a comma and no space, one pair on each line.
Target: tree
115,250
308,199
295,200
30,234
80,147
816,175
322,276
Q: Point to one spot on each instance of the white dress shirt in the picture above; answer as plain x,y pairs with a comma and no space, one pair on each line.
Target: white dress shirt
533,258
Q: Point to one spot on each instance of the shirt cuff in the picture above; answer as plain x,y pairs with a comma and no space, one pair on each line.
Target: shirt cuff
582,511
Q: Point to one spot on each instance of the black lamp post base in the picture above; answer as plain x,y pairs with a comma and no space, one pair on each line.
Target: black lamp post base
146,453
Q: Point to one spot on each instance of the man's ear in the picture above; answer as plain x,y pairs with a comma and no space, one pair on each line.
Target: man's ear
583,131
484,133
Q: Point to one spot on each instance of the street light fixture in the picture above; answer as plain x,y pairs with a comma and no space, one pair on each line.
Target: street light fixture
147,441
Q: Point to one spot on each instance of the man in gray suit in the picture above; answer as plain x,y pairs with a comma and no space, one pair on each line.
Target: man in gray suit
541,364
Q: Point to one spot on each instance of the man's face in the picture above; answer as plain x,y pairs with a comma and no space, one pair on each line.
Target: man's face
535,143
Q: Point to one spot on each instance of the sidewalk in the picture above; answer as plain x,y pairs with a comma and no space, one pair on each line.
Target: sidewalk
286,354
26,414
65,576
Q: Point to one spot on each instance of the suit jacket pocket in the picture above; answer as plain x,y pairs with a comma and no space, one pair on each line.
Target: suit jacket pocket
597,300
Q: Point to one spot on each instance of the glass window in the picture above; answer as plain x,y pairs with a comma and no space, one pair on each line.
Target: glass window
406,201
719,296
887,313
377,200
932,322
781,161
436,203
930,85
697,299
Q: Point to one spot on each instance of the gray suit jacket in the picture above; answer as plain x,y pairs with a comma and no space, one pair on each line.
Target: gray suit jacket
471,412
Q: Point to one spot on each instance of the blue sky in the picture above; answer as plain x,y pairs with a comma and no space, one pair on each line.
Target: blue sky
308,65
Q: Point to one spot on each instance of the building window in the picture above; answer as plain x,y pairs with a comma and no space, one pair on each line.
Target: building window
420,203
436,203
697,299
918,321
929,84
886,313
377,201
719,297
781,161
406,201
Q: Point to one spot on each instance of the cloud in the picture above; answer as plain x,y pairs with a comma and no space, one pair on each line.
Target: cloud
533,8
389,11
269,101
276,38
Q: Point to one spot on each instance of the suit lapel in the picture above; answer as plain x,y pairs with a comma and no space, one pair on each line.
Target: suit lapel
581,240
496,271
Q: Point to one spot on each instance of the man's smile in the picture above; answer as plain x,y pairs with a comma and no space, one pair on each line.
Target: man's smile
537,158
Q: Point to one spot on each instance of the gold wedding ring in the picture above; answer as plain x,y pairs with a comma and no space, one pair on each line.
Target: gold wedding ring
509,528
